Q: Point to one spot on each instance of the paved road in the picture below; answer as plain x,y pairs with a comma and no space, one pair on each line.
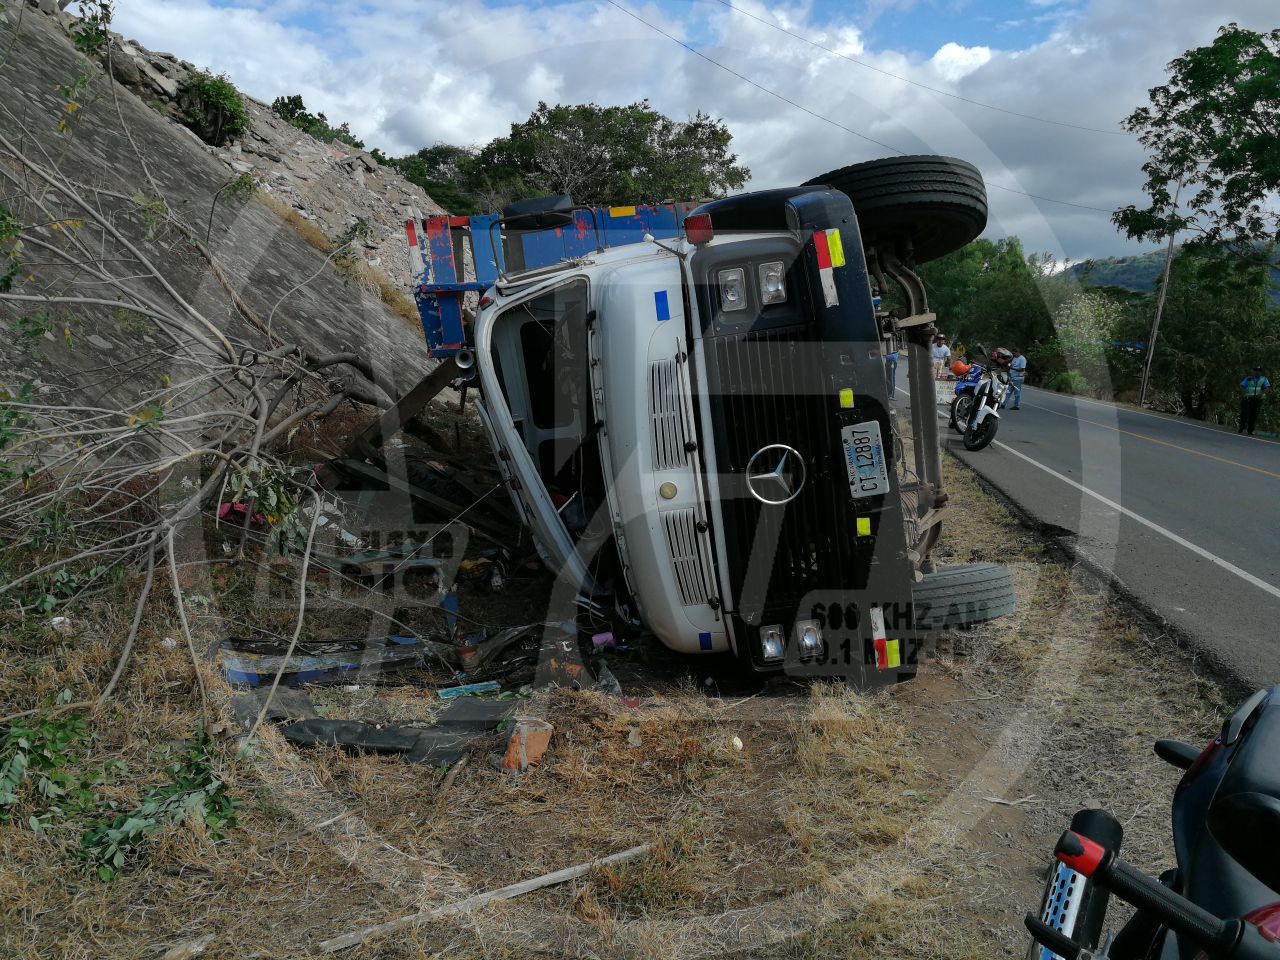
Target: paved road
1186,516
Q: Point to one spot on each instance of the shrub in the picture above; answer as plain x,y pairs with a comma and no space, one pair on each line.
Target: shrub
1069,381
293,110
212,107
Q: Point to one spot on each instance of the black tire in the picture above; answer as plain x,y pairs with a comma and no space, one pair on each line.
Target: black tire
960,596
960,408
937,204
983,434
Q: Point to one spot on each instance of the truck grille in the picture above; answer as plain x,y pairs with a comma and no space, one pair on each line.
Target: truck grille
767,388
667,406
687,558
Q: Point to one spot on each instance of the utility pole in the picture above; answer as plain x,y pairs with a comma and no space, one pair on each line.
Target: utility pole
1155,324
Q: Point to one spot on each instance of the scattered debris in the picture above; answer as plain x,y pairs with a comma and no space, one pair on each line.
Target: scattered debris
348,940
406,556
62,624
444,742
286,705
737,743
252,662
188,948
530,738
606,682
1031,799
486,686
225,511
472,656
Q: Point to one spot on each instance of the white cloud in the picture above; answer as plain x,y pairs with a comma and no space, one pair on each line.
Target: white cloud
953,62
407,73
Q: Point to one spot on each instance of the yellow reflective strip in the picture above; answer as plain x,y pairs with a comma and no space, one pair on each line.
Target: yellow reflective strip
864,526
836,247
892,657
846,398
622,211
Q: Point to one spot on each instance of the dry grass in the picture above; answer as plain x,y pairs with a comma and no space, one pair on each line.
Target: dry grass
837,830
369,278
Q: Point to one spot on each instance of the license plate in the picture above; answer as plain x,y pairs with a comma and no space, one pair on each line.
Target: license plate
864,459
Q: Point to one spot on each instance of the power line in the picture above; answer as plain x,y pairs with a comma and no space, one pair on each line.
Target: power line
828,120
916,83
699,53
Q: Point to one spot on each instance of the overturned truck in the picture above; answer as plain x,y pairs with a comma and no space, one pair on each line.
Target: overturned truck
688,405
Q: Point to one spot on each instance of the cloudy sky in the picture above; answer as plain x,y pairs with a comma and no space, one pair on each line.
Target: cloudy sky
410,73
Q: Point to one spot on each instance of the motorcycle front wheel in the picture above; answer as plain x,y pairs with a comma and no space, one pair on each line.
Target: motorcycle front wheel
960,408
975,438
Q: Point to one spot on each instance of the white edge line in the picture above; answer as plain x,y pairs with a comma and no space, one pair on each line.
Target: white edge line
1181,541
1199,551
1165,417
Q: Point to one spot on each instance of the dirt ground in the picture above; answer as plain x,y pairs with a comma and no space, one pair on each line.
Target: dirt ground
787,820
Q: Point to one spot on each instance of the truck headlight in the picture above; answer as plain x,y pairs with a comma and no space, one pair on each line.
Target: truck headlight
773,283
771,643
733,289
808,638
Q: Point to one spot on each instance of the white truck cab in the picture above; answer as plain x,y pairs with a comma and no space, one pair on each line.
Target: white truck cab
697,431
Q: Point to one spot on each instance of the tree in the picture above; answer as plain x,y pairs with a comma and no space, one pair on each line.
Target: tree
990,292
1215,328
1214,128
614,155
450,175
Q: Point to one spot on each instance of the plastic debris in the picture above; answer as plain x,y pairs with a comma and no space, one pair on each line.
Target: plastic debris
252,662
606,682
62,624
601,641
487,686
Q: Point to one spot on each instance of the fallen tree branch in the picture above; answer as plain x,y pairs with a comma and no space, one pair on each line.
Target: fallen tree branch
348,940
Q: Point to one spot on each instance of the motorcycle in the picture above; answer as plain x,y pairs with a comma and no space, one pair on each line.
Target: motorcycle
975,411
1223,898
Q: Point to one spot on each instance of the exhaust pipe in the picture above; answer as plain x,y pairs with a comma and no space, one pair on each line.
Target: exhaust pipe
464,359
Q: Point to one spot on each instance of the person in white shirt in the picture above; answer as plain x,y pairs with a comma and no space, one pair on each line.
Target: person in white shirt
1017,377
941,353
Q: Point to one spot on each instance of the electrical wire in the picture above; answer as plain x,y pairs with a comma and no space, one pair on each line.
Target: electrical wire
828,120
917,83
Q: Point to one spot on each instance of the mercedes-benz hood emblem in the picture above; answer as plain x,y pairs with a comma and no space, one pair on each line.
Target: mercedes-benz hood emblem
775,474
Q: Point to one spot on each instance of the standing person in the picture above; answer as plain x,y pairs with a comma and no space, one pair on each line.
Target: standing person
1253,388
1017,377
891,367
941,353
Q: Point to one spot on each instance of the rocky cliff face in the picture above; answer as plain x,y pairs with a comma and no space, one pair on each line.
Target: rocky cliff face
115,135
331,184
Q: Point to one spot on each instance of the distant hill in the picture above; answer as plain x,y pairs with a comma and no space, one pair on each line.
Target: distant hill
1139,272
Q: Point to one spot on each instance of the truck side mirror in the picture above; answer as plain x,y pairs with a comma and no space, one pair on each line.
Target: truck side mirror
1247,825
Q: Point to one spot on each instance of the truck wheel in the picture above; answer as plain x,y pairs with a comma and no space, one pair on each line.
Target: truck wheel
959,596
938,204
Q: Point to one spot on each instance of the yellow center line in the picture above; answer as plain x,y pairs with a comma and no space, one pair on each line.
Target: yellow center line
1165,443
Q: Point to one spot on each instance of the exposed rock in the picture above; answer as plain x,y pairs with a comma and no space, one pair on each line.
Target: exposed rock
330,184
159,81
125,69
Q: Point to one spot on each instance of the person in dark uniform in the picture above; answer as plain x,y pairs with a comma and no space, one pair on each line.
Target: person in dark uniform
1253,389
